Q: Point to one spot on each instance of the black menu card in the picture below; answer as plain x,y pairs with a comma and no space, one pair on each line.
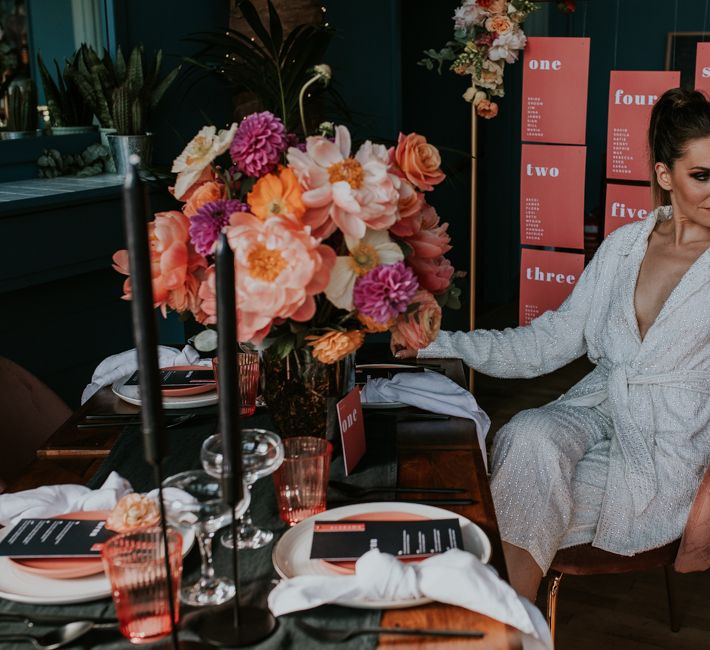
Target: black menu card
38,538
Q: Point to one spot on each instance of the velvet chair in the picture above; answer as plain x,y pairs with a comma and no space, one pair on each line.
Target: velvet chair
689,553
30,413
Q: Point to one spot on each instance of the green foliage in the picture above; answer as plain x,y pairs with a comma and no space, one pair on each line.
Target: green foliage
22,106
270,67
122,94
66,103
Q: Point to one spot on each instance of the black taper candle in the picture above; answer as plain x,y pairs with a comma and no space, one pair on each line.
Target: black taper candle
143,312
229,395
145,335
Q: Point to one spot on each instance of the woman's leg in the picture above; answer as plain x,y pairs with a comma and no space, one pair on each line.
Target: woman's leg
524,573
535,457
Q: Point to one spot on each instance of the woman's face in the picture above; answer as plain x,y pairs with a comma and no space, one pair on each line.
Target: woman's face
689,183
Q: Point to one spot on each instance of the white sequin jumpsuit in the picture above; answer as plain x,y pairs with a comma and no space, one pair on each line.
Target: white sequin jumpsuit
616,460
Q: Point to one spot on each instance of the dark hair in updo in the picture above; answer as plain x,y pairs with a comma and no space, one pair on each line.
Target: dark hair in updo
678,117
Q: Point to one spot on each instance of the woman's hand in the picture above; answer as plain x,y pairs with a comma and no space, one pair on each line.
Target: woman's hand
406,354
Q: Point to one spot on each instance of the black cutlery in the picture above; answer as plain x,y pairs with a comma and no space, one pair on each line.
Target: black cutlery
334,635
106,423
50,619
359,491
424,502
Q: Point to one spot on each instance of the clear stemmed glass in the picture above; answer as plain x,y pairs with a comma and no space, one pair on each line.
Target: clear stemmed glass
262,454
196,502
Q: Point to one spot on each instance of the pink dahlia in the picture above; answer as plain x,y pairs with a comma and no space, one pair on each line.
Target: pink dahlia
385,292
258,144
206,225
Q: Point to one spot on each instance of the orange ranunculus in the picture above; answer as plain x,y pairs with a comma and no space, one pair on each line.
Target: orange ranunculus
277,195
133,511
334,346
176,268
486,109
210,191
419,161
371,325
414,331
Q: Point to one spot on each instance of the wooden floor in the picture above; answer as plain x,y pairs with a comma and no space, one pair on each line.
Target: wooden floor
618,612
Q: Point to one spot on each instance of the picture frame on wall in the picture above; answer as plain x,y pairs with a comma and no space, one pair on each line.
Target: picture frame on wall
681,50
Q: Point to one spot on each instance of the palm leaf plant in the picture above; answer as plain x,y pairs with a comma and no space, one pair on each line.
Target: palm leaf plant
67,105
269,67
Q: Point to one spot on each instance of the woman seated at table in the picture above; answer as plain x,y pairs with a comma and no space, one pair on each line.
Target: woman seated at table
616,461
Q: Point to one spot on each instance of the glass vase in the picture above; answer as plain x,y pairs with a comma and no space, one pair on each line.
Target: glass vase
302,392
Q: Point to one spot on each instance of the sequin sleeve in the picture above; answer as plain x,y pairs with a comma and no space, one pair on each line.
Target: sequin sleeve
549,342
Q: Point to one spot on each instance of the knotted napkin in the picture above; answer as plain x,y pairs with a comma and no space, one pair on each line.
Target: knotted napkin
50,500
455,577
429,391
123,364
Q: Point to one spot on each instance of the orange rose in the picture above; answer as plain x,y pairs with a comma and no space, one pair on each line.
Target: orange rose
132,512
486,109
410,211
210,191
414,331
419,161
499,24
334,346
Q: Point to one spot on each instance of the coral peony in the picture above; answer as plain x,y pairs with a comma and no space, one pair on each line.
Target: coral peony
133,511
385,291
258,144
206,225
176,267
198,155
373,249
277,195
432,240
414,331
352,194
419,161
205,193
334,346
434,274
279,267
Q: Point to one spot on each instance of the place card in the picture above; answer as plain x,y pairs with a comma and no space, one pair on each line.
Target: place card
702,68
40,538
352,429
348,540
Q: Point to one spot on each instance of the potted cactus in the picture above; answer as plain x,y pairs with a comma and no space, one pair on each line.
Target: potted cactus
69,112
21,110
122,94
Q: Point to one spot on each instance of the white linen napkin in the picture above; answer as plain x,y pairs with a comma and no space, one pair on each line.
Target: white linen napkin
126,363
430,391
50,500
455,577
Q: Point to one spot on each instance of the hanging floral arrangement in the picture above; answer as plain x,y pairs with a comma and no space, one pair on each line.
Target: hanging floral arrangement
487,35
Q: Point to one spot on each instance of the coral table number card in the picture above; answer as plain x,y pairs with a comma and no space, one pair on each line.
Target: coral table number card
552,195
702,68
352,429
631,99
546,279
555,80
626,204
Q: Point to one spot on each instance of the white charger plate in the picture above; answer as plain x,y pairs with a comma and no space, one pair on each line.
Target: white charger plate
131,394
385,405
291,554
24,587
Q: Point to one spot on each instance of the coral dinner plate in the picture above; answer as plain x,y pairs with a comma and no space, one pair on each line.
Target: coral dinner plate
348,567
66,568
197,389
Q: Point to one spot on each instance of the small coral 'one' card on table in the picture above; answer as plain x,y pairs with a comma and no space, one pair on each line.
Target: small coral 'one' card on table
352,429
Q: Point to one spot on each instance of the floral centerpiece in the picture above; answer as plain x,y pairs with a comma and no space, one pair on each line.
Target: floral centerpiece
331,243
487,35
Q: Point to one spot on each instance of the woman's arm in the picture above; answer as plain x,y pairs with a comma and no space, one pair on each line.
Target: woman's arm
549,342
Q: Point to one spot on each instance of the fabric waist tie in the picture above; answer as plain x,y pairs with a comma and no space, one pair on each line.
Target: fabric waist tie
640,472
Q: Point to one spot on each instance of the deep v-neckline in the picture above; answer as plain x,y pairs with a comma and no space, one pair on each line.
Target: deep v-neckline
669,297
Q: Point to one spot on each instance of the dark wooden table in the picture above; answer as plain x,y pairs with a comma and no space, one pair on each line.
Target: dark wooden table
436,453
